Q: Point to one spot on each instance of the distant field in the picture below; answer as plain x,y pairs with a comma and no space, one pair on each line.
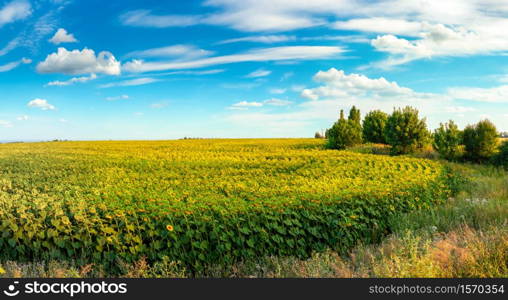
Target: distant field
200,201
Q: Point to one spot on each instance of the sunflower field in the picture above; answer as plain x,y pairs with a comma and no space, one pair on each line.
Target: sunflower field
201,202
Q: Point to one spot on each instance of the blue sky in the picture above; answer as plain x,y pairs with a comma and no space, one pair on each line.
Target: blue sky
256,68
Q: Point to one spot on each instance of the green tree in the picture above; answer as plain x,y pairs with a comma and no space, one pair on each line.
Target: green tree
480,141
447,139
501,158
374,126
345,132
405,131
355,127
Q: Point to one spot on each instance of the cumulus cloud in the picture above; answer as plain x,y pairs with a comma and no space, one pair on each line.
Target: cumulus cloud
62,36
73,80
257,55
79,62
338,84
15,10
41,104
258,73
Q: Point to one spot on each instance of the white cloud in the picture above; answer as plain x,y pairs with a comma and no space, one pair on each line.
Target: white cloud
131,82
174,51
22,118
258,73
41,103
15,10
159,105
121,97
497,94
338,84
79,62
6,124
245,104
277,91
62,36
277,102
380,25
257,55
10,46
144,18
12,65
459,109
73,80
266,39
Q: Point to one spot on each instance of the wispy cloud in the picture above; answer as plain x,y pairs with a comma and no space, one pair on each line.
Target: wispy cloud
257,55
131,82
14,10
121,97
73,80
266,39
258,73
12,65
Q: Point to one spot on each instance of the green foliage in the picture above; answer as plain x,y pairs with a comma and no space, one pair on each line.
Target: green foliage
374,126
405,131
480,141
318,135
200,202
447,141
345,133
501,158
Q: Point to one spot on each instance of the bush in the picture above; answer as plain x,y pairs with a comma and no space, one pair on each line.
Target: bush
318,135
501,158
405,131
374,126
447,140
480,141
345,133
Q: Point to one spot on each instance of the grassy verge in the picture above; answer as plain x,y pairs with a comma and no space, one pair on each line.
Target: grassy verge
466,237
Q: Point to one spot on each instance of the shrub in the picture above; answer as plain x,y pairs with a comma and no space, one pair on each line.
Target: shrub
318,135
373,127
405,131
501,158
447,140
480,141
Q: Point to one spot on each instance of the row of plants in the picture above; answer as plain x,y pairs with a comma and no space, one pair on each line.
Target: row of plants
201,202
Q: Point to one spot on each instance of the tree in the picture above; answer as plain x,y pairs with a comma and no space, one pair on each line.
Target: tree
318,135
373,127
501,158
354,115
345,133
480,141
405,131
447,140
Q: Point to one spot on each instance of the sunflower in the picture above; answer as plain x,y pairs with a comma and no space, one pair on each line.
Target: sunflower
170,227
